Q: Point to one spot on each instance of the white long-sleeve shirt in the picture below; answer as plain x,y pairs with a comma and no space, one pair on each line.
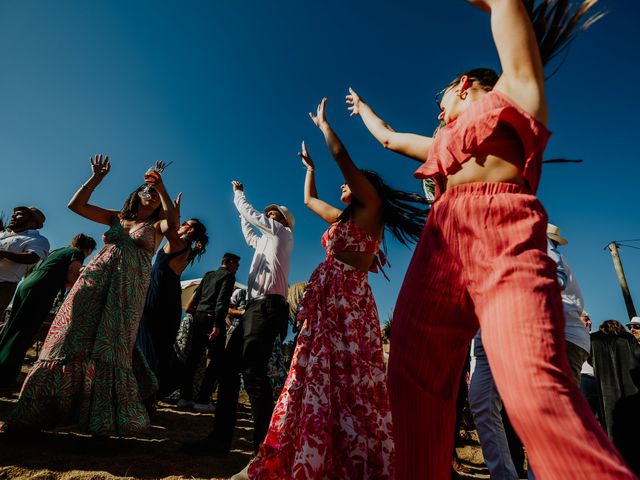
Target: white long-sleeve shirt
572,302
269,271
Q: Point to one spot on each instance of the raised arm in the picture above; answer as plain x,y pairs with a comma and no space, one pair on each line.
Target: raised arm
250,214
170,210
360,186
79,203
175,243
522,77
321,208
407,144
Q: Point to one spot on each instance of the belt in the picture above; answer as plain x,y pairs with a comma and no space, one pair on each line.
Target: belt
271,296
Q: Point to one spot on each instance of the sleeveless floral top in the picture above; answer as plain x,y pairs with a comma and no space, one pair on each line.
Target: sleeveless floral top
347,236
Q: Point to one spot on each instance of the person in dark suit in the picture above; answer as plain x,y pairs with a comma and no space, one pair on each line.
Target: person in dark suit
209,306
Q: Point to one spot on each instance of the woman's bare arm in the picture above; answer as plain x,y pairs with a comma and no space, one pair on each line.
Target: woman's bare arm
321,208
79,203
522,77
408,144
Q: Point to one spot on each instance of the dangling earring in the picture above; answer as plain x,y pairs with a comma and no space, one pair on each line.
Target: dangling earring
462,94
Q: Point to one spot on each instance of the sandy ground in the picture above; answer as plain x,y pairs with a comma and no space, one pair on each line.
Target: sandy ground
63,454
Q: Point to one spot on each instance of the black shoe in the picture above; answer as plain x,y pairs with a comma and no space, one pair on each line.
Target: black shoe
206,446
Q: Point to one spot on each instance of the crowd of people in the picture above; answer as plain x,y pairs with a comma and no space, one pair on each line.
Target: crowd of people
486,266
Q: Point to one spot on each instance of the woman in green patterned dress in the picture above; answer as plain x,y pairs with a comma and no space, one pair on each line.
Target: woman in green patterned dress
84,375
33,300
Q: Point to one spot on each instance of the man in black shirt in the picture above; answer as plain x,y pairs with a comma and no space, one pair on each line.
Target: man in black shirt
209,306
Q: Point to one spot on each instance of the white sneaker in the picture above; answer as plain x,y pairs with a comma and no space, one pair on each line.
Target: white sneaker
242,475
186,404
204,407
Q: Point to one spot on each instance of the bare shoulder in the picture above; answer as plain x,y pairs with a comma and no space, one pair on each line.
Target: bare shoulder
528,95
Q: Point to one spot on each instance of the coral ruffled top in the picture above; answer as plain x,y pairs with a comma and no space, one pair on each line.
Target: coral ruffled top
493,125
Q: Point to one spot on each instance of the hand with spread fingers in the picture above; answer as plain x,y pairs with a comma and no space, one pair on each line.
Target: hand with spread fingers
100,165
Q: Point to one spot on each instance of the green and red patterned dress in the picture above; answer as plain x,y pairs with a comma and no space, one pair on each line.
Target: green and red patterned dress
84,374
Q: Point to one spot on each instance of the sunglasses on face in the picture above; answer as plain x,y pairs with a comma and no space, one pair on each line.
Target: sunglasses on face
441,93
634,327
438,96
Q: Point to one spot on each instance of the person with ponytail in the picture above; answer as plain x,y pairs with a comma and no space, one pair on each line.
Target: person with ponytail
481,261
332,419
163,307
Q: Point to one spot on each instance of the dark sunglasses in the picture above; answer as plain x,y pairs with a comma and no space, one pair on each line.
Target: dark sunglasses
634,327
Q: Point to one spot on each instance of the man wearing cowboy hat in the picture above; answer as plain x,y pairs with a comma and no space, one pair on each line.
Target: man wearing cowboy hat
266,316
634,327
21,245
576,334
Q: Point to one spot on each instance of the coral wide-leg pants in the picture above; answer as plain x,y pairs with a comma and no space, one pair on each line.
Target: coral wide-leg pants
481,262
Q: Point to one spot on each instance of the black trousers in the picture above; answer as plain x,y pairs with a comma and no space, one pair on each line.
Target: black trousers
253,344
202,326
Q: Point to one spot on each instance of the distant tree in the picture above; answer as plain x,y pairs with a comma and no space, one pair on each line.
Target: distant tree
386,328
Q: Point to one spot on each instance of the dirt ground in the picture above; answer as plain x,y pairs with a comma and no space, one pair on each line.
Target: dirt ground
63,454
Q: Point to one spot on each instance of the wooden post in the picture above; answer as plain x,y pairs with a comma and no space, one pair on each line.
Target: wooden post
617,263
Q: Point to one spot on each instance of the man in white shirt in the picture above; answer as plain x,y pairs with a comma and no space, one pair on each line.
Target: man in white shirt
578,340
266,316
21,245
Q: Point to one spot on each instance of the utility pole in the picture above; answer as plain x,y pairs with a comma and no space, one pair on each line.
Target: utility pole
617,263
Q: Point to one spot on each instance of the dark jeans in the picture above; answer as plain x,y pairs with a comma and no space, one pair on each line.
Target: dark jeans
202,326
262,322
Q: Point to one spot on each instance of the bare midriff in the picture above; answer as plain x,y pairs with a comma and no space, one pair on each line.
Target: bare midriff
487,169
360,260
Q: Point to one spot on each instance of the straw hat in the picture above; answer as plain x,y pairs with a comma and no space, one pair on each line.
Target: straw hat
553,233
286,213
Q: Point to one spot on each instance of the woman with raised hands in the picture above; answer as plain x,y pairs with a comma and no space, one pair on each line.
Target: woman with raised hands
84,375
163,307
481,261
332,419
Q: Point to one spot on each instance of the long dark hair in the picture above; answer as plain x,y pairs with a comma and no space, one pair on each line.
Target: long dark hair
131,206
198,240
403,213
612,327
556,24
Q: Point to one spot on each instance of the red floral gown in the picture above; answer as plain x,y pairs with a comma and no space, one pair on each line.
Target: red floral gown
332,420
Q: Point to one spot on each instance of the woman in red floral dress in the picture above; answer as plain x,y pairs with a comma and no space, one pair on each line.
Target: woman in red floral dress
332,419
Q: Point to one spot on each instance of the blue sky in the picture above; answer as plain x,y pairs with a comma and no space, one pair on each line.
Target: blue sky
223,89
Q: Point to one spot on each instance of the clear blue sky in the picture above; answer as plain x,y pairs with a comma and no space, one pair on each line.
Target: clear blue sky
223,89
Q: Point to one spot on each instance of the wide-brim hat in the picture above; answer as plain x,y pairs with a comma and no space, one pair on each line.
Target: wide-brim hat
35,213
286,213
553,233
634,321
